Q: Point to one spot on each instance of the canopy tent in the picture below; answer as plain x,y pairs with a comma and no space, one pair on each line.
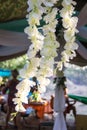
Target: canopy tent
13,40
14,43
79,98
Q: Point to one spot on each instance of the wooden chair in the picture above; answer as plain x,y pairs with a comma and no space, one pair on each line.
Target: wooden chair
70,107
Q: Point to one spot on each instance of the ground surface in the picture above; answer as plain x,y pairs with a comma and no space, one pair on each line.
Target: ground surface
36,124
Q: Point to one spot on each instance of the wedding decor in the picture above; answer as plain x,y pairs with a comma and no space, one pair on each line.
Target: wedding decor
44,44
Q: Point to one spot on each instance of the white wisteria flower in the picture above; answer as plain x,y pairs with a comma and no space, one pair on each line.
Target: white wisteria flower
69,23
19,108
30,68
43,81
68,2
21,96
44,43
51,16
34,3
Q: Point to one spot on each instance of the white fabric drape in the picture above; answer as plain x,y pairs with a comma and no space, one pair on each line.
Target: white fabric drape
14,39
59,106
59,122
13,44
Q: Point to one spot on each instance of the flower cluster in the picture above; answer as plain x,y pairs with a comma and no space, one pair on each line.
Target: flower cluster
21,96
69,23
43,50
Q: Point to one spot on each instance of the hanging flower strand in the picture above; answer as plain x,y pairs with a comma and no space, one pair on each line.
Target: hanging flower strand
69,23
49,49
35,11
21,96
30,69
44,43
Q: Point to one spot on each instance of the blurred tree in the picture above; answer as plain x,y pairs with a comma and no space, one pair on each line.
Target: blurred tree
15,63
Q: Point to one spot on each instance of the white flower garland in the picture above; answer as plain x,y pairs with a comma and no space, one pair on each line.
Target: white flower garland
69,23
45,44
21,97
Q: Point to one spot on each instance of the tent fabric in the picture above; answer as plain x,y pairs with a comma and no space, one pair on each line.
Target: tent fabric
12,44
82,50
82,34
13,41
59,107
81,99
15,25
9,38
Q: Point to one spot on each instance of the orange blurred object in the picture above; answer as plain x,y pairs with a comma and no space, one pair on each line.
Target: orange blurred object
40,107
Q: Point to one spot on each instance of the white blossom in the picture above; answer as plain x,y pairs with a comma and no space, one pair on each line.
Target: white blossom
46,43
20,108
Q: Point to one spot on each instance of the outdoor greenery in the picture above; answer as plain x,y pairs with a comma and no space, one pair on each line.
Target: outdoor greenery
16,63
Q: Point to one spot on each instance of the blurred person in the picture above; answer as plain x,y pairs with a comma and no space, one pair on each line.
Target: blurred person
11,88
3,99
69,105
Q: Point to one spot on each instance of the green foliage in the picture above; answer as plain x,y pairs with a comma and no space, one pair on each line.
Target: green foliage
16,63
12,9
13,115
